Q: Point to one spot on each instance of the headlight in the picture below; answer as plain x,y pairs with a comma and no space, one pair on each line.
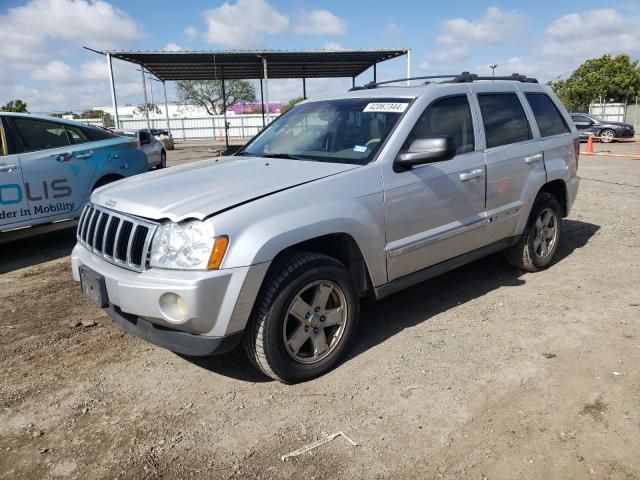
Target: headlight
187,246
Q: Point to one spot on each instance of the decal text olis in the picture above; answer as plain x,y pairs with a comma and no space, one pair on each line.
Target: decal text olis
12,193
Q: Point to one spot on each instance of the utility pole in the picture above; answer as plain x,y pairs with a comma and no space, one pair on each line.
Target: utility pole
493,69
146,102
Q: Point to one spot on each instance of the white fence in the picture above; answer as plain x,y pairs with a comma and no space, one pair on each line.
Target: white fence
613,112
240,126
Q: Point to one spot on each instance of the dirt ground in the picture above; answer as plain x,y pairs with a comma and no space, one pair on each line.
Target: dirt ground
484,372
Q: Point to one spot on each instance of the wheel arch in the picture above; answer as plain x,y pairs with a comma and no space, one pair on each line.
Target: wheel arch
558,189
341,246
105,179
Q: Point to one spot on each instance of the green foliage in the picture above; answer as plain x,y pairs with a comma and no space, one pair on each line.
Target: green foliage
614,79
15,106
106,117
208,93
290,104
153,108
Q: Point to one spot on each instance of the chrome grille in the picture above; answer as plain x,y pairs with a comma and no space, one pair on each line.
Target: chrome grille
119,239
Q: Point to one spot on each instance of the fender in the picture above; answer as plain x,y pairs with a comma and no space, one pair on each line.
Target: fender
259,231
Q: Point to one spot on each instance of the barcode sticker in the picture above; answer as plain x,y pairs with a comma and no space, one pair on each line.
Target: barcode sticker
386,107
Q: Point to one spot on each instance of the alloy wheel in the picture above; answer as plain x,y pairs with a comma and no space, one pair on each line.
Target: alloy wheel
607,136
315,322
545,233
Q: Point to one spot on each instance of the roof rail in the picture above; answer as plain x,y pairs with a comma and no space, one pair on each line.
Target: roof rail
463,77
376,84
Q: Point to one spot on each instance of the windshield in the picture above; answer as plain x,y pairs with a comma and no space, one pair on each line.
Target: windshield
343,131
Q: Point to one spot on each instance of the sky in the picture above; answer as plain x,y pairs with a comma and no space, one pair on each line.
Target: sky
43,63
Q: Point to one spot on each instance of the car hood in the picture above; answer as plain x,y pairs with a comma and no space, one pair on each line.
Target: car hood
201,189
617,124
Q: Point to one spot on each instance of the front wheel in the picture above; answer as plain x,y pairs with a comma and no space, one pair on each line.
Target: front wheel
607,136
163,160
303,318
539,241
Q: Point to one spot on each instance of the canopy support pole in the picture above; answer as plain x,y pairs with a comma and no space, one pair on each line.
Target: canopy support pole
375,74
304,83
353,82
266,85
166,106
114,101
224,112
264,123
408,66
146,102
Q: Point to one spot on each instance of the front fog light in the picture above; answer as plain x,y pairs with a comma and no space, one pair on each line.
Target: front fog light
174,307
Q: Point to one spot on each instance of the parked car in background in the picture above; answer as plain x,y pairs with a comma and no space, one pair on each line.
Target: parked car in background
50,166
363,194
588,124
153,148
165,137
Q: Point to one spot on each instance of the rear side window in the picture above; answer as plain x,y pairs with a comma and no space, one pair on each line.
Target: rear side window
96,134
548,118
581,119
76,135
449,117
504,119
40,135
145,136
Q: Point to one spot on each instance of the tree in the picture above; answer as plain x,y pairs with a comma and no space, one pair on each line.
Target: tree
611,78
290,104
15,106
208,93
153,108
107,119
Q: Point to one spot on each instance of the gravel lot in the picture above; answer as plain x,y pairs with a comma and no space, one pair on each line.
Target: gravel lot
484,372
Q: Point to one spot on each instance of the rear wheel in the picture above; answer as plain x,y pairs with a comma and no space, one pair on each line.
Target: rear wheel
607,135
539,241
303,319
163,160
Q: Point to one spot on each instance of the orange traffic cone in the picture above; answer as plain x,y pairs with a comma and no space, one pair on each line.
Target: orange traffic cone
590,145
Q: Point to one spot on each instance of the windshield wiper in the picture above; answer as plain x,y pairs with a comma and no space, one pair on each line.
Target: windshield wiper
288,156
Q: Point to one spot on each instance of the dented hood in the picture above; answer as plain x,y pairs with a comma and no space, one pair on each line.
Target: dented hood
204,188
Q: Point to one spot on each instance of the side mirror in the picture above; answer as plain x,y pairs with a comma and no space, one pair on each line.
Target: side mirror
426,150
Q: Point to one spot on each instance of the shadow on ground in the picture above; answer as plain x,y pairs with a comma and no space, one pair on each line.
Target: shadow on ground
380,321
35,250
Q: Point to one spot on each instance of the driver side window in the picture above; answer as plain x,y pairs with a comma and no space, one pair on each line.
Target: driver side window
448,117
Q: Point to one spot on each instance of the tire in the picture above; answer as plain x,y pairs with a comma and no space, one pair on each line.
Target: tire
530,254
284,337
607,135
163,160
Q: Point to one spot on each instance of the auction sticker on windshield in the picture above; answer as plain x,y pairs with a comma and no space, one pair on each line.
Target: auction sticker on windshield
386,107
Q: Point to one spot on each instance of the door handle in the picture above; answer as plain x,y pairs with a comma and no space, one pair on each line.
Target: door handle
471,174
533,158
66,156
7,168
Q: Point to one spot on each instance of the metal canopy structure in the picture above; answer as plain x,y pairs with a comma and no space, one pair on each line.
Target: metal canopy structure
251,65
248,65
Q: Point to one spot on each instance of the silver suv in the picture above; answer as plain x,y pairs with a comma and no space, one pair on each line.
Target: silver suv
359,195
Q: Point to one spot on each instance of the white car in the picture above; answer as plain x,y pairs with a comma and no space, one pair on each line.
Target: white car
152,147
